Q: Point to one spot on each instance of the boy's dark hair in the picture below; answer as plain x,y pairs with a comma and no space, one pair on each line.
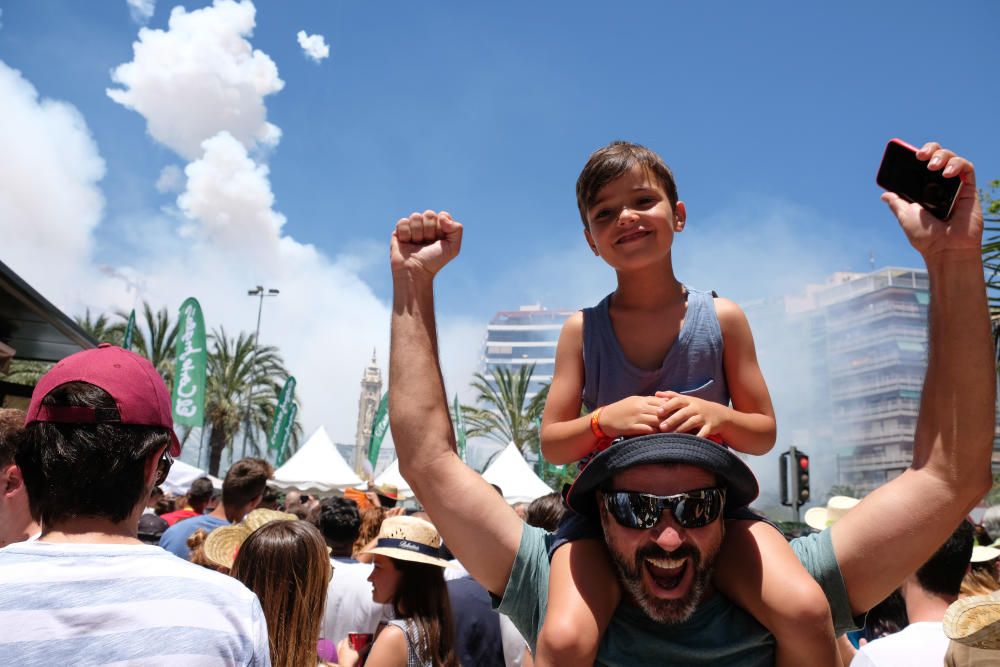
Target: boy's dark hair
201,491
608,163
546,511
11,427
246,479
943,573
93,470
339,520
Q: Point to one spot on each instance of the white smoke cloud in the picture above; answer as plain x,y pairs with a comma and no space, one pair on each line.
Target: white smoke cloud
50,202
171,179
141,10
314,46
200,77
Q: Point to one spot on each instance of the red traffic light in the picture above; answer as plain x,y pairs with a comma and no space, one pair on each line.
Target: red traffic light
804,462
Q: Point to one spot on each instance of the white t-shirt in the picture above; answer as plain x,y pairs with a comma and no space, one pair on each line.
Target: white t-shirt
349,604
94,604
916,645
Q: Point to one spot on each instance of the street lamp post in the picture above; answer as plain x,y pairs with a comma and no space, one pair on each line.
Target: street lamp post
260,292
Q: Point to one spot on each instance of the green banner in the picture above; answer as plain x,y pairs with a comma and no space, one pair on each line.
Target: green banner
191,361
379,426
287,435
129,331
280,422
459,429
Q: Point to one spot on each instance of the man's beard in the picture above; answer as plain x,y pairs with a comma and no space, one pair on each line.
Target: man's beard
658,609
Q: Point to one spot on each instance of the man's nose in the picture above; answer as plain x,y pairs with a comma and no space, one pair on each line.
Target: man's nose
667,534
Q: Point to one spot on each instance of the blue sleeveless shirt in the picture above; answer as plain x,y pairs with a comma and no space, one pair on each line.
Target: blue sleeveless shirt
692,365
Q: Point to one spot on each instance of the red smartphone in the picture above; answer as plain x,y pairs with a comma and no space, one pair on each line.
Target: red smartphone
901,172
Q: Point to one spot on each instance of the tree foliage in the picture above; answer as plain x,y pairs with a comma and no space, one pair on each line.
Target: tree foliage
232,367
504,412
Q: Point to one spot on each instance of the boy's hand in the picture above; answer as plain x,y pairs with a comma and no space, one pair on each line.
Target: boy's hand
635,415
963,230
424,242
688,414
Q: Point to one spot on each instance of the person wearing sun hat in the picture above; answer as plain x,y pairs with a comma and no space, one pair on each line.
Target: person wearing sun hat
98,438
408,575
222,544
822,518
658,501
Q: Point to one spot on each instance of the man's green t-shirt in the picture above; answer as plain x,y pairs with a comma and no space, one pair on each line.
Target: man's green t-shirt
718,633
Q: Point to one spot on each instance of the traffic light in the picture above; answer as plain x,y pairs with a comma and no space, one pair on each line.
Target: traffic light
802,472
783,479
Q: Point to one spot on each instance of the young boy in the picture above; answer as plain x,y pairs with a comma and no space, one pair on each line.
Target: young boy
657,356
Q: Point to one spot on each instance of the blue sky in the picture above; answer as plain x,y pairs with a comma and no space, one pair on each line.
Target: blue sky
772,115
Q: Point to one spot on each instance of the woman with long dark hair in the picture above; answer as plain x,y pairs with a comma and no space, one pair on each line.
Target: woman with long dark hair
408,575
286,564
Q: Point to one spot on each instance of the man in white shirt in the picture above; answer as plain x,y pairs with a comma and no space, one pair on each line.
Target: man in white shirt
927,594
98,437
349,604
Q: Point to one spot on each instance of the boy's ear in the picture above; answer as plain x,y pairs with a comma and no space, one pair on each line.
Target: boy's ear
590,241
680,216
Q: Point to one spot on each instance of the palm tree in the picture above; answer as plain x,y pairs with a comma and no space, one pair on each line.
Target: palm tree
232,366
507,414
156,341
100,328
26,372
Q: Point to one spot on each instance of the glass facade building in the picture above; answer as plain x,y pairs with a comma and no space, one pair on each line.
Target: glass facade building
523,337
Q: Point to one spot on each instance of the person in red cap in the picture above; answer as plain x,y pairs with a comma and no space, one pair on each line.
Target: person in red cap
98,438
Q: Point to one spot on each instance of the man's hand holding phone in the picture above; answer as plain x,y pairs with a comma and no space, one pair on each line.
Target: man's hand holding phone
927,233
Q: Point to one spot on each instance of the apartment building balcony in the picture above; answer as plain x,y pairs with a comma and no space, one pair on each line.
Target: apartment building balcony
881,410
877,312
870,462
894,333
875,386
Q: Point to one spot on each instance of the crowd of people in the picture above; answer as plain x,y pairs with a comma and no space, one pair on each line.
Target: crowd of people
651,556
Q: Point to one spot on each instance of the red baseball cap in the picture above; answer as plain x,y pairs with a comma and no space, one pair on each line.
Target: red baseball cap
136,387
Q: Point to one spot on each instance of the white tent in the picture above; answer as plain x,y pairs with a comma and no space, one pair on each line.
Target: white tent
515,477
317,468
391,476
182,475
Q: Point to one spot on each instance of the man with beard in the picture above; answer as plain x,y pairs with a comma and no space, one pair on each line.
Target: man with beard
659,497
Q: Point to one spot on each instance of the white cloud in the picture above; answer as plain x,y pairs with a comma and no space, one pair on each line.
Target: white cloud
141,10
314,46
222,237
171,179
199,77
50,202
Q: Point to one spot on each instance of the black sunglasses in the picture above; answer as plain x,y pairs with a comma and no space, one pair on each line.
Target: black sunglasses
691,509
163,468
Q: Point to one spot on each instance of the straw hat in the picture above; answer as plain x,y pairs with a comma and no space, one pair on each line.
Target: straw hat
983,554
222,544
409,538
824,517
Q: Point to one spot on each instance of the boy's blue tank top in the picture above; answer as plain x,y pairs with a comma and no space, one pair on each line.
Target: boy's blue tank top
693,364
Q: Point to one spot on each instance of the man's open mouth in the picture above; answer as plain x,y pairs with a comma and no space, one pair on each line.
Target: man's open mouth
667,573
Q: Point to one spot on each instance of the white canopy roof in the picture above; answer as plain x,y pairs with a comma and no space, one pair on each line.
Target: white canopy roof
391,476
182,475
317,468
515,477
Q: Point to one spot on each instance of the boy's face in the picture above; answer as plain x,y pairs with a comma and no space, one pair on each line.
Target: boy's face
631,224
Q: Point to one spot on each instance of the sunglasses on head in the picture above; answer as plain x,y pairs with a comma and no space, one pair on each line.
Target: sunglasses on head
691,509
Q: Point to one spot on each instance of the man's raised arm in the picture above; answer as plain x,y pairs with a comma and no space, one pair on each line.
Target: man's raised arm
895,529
480,528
